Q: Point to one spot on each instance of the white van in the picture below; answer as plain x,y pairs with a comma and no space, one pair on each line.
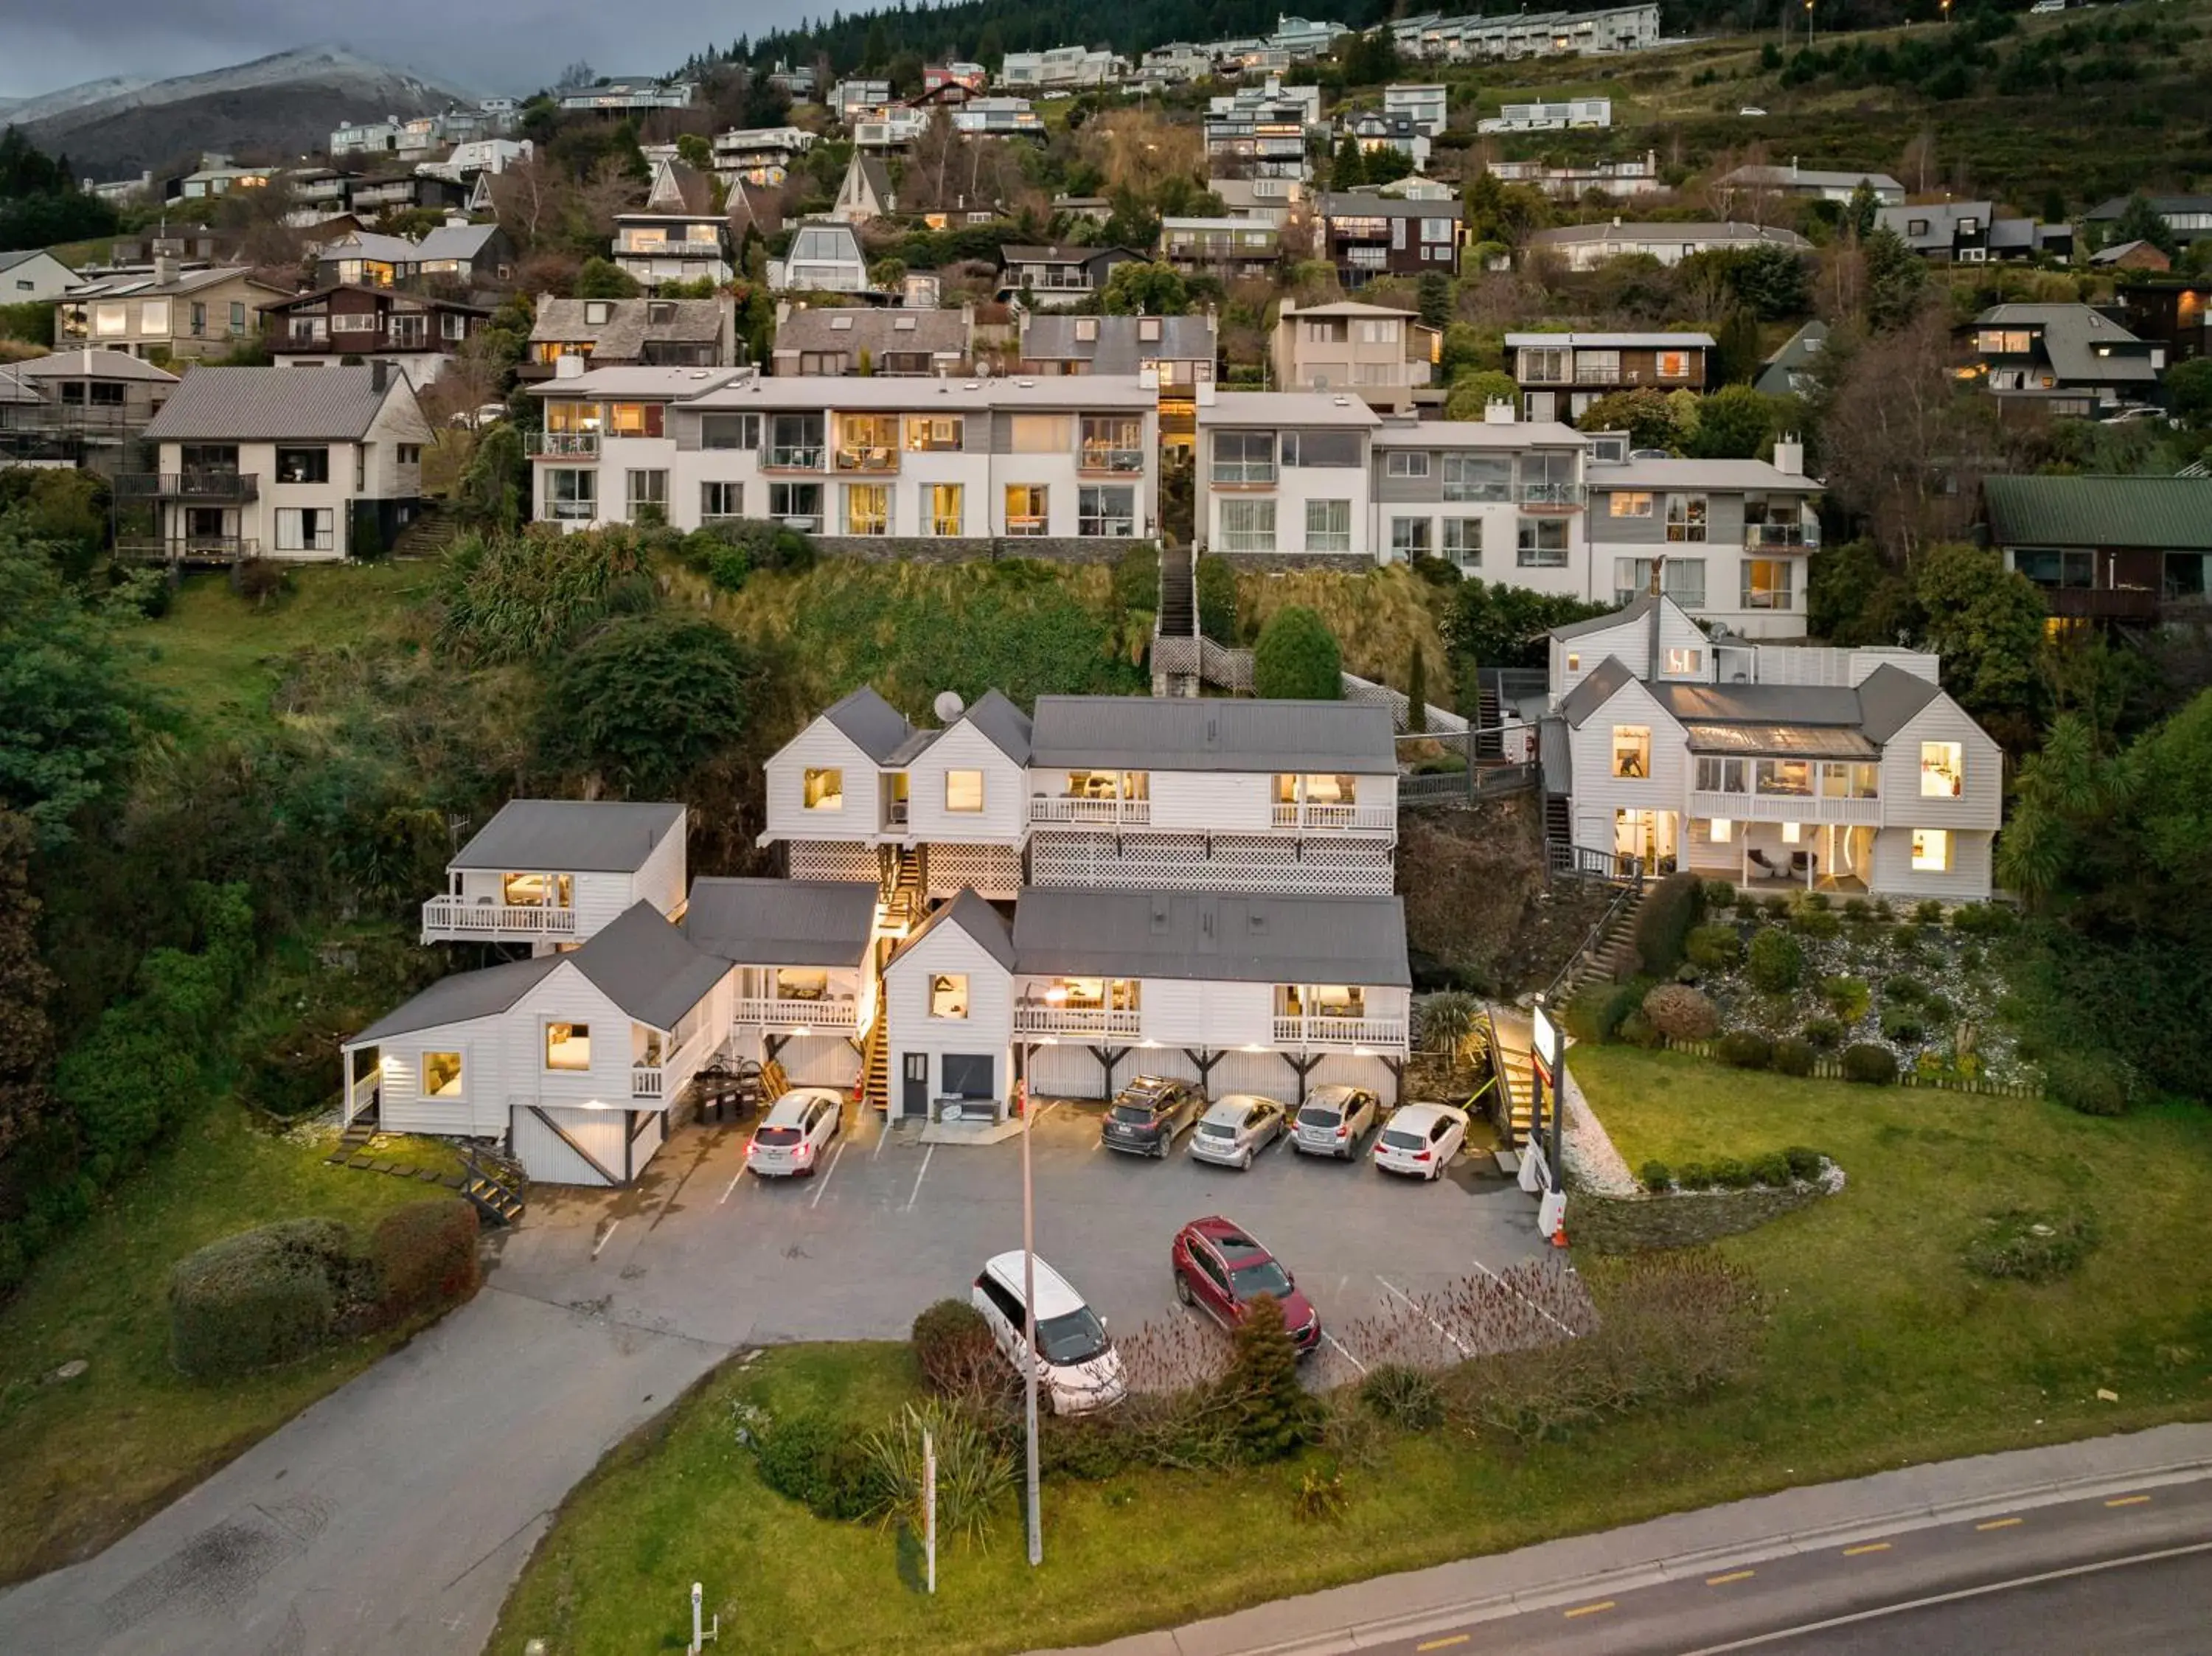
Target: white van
1080,1370
2042,7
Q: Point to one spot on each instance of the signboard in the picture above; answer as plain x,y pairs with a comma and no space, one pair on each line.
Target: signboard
1547,1038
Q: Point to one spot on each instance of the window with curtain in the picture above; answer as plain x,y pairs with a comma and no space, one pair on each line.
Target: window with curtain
964,791
824,790
1248,525
1328,526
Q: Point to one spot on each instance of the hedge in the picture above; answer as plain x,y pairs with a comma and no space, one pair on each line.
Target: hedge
1747,1049
426,1257
1872,1065
1663,926
1716,947
1776,961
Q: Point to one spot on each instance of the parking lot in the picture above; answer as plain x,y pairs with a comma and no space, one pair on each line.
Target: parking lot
701,1247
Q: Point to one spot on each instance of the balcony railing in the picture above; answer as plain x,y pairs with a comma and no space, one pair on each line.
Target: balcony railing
1339,1032
878,461
448,917
2102,602
1062,808
1337,819
672,250
1096,456
565,444
1041,1018
1243,474
666,1078
189,548
783,1012
231,488
795,457
1785,807
1779,538
1562,495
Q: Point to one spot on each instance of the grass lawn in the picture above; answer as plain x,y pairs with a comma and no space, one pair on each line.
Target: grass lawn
1883,1351
83,1460
218,656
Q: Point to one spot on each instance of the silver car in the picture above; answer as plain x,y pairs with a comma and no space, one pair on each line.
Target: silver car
1237,1129
1333,1120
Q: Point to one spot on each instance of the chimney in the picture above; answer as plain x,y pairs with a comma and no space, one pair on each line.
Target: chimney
1789,454
568,365
1793,168
379,376
1497,412
165,269
457,220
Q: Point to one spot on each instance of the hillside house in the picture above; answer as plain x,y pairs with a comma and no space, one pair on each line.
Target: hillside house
1789,371
169,310
853,340
762,156
604,449
416,334
2133,550
2069,359
1586,246
1380,354
825,257
34,276
1970,233
2188,217
1427,105
1797,183
1511,37
865,194
2176,315
1053,277
1366,234
1176,353
1571,181
679,236
82,407
628,333
1561,374
1562,115
1226,249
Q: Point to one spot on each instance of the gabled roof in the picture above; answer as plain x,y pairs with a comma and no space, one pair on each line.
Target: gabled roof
971,913
371,244
1638,236
1003,724
2161,205
2082,342
568,836
1811,177
1797,353
457,241
854,328
1612,340
1360,204
783,922
2165,514
386,298
677,187
643,964
870,723
85,363
630,325
876,176
1188,935
1890,698
336,404
1605,624
460,998
1117,732
23,256
1115,347
1597,687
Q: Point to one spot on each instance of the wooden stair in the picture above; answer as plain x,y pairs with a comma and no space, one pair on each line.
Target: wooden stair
1611,958
1559,820
1516,1070
1178,617
876,1062
496,1197
1489,739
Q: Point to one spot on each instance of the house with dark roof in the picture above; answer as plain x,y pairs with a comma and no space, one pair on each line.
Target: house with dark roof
551,873
1057,274
2069,359
296,464
1789,372
1175,352
679,235
168,310
1561,374
1586,246
417,333
2172,312
1971,233
1770,765
1365,234
1808,184
628,333
855,339
79,406
866,193
2188,217
2109,548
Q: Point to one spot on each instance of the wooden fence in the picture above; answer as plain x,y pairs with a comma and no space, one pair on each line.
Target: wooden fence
1826,1068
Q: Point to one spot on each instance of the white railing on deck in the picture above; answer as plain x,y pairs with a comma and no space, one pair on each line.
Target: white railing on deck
1339,1032
781,1013
482,917
1784,808
666,1079
1339,819
1061,808
1037,1018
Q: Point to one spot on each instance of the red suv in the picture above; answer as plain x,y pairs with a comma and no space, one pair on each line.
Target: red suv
1219,1265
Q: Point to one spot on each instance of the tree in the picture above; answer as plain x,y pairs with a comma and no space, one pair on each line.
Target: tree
1435,301
1217,598
647,700
1986,622
2140,222
695,152
1896,280
991,47
1138,288
1643,412
1851,597
494,485
1349,167
1497,625
602,278
1273,1413
875,53
26,1038
1472,392
2066,792
1859,212
1733,424
1739,348
2189,392
1298,657
1385,164
1416,692
1372,59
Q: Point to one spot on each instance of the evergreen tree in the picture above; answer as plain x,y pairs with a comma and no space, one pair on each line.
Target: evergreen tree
1274,1415
1417,693
876,55
1298,657
1436,299
1896,280
1858,213
1349,167
2139,222
26,1038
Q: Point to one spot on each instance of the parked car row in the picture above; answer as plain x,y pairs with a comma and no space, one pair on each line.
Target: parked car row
1149,1114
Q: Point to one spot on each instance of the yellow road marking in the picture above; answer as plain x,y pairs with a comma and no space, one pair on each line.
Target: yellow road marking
1871,1546
2127,1500
1733,1575
1998,1524
1441,1644
1590,1610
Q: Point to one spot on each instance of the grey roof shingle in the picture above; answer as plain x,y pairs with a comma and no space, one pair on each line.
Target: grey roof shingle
1361,204
569,836
461,241
1005,726
870,723
1115,348
1174,733
644,965
629,327
783,922
2076,338
1890,698
1236,939
2166,514
974,916
1628,612
1596,688
1798,354
85,363
336,404
854,329
461,998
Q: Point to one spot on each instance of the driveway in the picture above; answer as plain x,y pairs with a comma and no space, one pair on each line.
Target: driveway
394,1514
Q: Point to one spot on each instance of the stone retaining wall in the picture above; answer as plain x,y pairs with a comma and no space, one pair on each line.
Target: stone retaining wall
1637,1224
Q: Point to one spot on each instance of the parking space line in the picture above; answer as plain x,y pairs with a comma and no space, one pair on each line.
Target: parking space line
1518,1294
826,1174
731,1189
604,1234
1344,1351
1414,1304
919,1171
883,1132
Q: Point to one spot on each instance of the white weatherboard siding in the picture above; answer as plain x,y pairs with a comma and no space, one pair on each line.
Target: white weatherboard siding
1599,793
1003,819
1967,879
1229,802
399,420
550,1160
1573,660
823,746
481,1109
661,881
567,996
809,1060
1980,807
1070,1070
987,1028
1182,1012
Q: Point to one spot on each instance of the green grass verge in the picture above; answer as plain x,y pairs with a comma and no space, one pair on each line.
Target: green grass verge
1884,1351
83,1460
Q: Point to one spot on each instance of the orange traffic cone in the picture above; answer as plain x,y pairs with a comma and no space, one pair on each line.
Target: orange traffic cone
1559,1236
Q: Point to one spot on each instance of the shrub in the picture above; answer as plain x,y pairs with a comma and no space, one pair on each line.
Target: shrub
1273,1414
1611,1005
1908,941
1857,910
1719,895
260,581
1091,1447
1694,1175
1775,908
265,1297
1670,908
1984,920
1772,1170
1404,1395
815,1459
1747,1049
974,1471
1715,948
425,1256
1217,598
1776,961
1904,1025
1937,1010
1747,905
1869,1065
1847,998
1804,1162
1793,1058
1297,657
955,1353
1731,1174
1811,922
1636,1030
2017,1245
1928,912
1681,1013
1823,1034
1882,911
1903,991
1319,1497
1657,1176
2089,1085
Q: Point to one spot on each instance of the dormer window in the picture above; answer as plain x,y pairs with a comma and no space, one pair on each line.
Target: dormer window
597,312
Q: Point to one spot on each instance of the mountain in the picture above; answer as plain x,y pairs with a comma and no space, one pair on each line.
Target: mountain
278,108
21,112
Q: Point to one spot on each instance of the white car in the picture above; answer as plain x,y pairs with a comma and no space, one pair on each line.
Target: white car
1236,1129
1079,1369
1421,1139
796,1131
1332,1120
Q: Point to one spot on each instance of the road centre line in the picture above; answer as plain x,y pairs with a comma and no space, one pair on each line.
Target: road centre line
1444,1644
824,1183
2127,1500
1457,1344
1518,1294
602,1242
928,1152
1865,1548
1999,1524
1733,1575
1588,1609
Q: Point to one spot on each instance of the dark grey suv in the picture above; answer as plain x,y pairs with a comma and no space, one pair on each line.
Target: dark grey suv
1149,1112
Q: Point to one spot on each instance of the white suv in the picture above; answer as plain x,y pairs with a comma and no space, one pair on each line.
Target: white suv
1080,1370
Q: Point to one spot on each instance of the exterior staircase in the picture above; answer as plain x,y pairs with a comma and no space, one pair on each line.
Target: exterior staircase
1559,820
1176,671
427,535
1607,953
496,1196
1510,1038
898,907
875,1062
1489,738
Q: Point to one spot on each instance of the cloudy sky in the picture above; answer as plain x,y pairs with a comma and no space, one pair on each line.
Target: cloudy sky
484,46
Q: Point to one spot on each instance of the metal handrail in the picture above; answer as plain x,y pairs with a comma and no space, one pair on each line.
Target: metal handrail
1595,936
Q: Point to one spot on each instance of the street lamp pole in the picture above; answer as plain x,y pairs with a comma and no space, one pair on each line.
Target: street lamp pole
1054,996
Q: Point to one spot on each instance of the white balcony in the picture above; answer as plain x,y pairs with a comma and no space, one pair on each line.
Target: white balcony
564,445
666,1079
1308,1031
446,919
1311,818
780,1012
1038,1018
1061,808
1785,807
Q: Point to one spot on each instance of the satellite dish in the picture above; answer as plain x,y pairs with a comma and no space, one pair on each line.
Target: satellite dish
949,707
982,370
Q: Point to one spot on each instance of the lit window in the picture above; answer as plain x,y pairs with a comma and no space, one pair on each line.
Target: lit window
867,509
948,995
1574,663
1931,850
1026,509
1681,662
1942,770
1791,831
825,790
538,891
963,791
1628,503
1724,830
945,508
441,1075
567,1046
1631,751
